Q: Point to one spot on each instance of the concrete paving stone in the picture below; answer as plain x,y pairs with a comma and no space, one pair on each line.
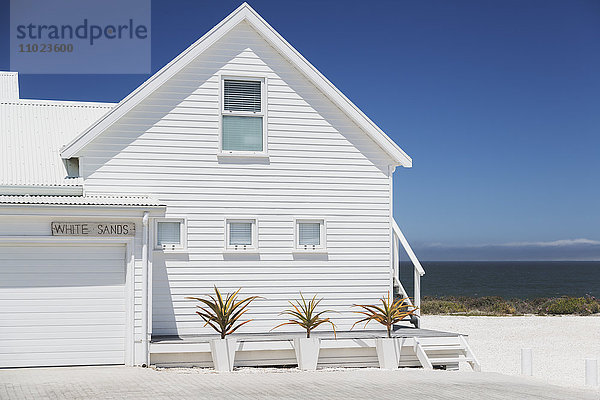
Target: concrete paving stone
131,383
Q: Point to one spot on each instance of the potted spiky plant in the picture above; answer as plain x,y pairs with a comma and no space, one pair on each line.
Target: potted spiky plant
303,313
388,314
223,315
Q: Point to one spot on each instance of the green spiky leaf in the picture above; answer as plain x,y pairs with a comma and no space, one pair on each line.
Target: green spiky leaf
302,313
223,314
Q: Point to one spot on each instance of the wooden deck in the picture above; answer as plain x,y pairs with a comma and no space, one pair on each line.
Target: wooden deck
400,331
418,348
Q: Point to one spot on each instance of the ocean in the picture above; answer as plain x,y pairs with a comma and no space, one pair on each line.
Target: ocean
508,279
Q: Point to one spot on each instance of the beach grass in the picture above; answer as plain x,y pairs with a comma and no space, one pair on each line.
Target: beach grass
495,305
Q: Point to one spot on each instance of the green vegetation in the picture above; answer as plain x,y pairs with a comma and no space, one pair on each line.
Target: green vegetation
493,305
222,314
389,313
304,315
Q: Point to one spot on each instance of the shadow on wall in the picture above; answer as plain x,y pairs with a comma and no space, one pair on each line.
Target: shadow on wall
163,312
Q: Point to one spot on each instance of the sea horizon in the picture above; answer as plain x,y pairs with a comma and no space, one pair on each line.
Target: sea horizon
508,279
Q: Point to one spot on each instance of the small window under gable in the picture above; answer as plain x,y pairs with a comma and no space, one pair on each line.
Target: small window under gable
72,165
243,113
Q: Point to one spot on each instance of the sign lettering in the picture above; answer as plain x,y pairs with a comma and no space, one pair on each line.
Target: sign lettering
93,228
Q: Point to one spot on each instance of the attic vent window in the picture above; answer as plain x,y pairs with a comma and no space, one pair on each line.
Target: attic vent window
243,114
72,165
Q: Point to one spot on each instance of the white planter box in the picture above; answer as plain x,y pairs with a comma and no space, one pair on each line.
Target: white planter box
223,354
307,353
388,353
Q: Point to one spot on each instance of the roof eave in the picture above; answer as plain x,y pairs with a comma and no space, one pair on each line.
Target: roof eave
41,190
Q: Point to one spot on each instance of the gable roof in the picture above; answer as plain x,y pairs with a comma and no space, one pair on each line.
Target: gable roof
242,13
9,86
31,133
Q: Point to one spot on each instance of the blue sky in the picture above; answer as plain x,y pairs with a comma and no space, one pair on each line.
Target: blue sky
497,102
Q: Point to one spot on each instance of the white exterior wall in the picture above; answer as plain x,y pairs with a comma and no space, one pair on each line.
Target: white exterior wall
320,164
32,224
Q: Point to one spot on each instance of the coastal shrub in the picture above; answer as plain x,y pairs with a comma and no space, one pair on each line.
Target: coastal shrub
503,307
485,304
530,306
436,306
573,305
493,305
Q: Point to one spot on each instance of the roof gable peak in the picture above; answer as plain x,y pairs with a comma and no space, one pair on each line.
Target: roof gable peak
243,13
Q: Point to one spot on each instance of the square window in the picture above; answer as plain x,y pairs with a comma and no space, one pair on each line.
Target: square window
310,235
241,234
170,234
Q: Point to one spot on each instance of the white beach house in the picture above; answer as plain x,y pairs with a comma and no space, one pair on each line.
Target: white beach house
237,164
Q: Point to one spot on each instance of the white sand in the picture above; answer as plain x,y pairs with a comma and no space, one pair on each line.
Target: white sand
559,343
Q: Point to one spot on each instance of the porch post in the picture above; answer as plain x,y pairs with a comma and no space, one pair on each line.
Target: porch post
145,238
417,299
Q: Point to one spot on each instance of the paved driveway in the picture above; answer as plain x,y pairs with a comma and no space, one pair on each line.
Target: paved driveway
143,383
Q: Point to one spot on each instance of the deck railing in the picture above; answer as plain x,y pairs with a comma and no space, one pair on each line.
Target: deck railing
397,240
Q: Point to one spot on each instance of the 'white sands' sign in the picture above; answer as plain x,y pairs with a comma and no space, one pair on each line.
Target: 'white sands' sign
93,228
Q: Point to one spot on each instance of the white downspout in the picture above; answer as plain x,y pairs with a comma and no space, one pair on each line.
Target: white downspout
145,288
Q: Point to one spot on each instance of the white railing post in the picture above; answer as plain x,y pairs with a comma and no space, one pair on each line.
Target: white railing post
417,291
591,372
418,270
526,362
395,257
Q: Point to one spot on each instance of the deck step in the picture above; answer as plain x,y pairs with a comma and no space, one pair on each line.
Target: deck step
450,360
450,347
423,351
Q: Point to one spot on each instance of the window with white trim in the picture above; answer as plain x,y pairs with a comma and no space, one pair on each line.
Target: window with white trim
170,234
241,235
310,235
243,130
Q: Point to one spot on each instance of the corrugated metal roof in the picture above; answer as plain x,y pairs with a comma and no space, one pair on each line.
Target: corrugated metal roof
32,133
9,86
82,200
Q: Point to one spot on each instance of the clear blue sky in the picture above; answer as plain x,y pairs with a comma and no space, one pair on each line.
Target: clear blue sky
498,103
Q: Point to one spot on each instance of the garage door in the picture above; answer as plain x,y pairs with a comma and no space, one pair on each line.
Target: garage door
62,305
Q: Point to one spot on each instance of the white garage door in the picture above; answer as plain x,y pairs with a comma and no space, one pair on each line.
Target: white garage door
62,305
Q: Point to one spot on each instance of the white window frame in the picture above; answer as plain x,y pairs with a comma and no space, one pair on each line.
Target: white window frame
242,248
182,246
322,248
262,114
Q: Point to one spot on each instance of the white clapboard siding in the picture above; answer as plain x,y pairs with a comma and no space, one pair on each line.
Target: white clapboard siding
62,305
320,165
